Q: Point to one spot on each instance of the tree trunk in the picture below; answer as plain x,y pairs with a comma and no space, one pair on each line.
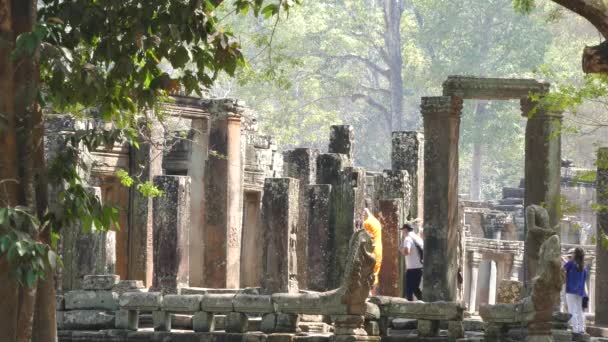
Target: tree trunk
475,186
393,10
32,164
595,59
22,172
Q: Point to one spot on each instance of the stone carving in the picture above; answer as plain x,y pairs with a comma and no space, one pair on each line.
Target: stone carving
536,310
546,287
349,298
538,231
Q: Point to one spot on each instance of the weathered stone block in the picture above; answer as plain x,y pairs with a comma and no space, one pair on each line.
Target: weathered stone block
428,328
182,303
171,233
236,322
319,239
455,330
60,318
217,303
280,219
390,273
140,300
127,319
509,291
269,323
87,320
161,320
287,323
342,140
372,328
129,286
203,322
401,307
78,299
253,304
100,281
59,303
349,325
301,164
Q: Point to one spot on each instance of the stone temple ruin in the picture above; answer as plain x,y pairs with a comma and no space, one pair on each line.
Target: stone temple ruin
248,243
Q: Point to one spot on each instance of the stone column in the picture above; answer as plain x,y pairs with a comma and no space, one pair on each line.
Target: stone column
301,164
397,184
474,261
319,239
171,233
516,266
543,158
196,171
280,224
390,214
408,154
87,253
492,287
145,161
441,125
223,204
601,280
347,199
342,140
591,287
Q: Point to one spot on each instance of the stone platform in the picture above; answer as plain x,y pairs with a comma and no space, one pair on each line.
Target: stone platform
149,335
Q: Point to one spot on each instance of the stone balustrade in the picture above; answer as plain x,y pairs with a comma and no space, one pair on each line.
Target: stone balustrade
429,315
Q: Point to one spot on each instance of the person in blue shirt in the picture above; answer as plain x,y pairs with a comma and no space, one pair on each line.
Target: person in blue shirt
576,279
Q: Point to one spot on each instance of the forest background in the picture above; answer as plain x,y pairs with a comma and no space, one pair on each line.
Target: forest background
367,63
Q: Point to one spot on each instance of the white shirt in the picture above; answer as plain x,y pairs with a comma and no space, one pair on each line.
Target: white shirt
412,260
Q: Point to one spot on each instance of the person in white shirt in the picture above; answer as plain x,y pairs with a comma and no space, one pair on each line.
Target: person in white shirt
413,249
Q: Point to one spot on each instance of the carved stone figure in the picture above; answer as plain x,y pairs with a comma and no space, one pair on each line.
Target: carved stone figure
538,231
546,287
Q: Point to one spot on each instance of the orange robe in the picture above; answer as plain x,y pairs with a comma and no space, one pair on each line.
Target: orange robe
372,226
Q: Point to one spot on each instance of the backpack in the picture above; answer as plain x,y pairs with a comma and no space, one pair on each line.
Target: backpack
420,251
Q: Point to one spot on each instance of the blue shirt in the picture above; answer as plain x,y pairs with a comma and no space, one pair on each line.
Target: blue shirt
575,279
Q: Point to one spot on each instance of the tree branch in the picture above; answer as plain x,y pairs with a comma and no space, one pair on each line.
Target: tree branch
590,11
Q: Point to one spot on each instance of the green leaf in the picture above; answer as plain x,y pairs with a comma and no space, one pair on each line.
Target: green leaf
270,10
21,248
180,57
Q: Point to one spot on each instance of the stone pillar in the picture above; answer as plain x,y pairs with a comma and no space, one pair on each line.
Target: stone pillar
145,161
492,287
347,203
85,253
474,261
171,233
543,159
280,224
516,266
397,184
196,170
342,140
390,213
601,280
223,204
301,164
591,287
408,154
319,239
441,125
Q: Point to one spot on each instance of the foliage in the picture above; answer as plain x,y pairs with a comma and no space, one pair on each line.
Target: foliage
29,257
120,59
